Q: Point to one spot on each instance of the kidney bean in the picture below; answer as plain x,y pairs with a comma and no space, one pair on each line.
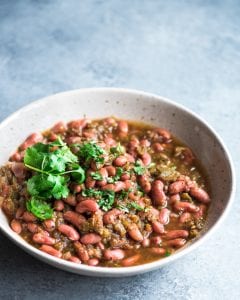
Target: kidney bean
165,134
115,254
31,140
146,243
176,243
81,251
119,186
177,187
50,250
32,227
19,213
186,206
110,121
134,143
164,216
49,225
146,159
69,231
128,184
41,238
185,217
93,262
28,217
74,259
125,176
123,127
73,140
90,182
19,170
157,251
127,262
78,125
174,234
129,158
75,188
110,216
144,183
104,174
71,200
109,186
200,213
111,170
110,141
87,206
157,227
200,194
74,218
135,234
58,205
174,198
157,147
16,226
156,240
8,207
59,127
145,143
16,157
157,193
90,238
120,161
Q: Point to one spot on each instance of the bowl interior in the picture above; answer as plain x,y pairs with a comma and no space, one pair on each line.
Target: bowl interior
97,103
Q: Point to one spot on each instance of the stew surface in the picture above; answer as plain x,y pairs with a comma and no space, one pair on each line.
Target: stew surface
106,192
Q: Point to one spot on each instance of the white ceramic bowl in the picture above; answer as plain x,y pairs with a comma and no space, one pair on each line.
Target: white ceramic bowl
127,104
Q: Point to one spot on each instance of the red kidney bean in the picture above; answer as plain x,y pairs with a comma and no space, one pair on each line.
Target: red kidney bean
71,200
145,143
111,170
74,259
200,194
144,183
135,234
174,234
119,186
177,187
128,184
74,218
120,161
104,174
73,140
127,262
157,227
90,182
134,143
31,140
52,137
156,240
69,231
76,188
58,205
176,243
165,134
16,157
199,214
157,147
78,124
93,262
125,176
89,133
19,170
110,187
49,225
101,245
157,251
32,227
164,216
16,226
146,243
50,250
174,198
115,254
90,238
129,158
146,159
186,206
19,213
81,251
185,217
123,127
110,121
110,216
157,193
59,127
87,206
41,238
28,217
110,141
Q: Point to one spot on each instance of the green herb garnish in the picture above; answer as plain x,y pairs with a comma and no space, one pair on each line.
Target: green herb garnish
107,199
138,168
168,253
135,206
96,176
119,172
39,208
117,150
91,151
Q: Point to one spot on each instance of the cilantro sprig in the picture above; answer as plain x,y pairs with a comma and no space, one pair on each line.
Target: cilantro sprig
90,151
105,198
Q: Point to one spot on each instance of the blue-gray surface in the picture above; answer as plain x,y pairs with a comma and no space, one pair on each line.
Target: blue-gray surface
188,51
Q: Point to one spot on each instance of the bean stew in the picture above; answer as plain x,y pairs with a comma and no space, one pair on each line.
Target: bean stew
105,192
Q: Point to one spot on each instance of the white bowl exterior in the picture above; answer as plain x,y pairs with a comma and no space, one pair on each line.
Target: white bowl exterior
132,105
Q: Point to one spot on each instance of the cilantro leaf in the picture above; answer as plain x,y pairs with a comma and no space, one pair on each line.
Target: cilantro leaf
96,176
135,206
77,173
39,208
119,172
91,193
91,151
168,253
139,169
107,199
34,155
117,150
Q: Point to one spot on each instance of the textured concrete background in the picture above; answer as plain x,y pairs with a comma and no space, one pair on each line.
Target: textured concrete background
188,51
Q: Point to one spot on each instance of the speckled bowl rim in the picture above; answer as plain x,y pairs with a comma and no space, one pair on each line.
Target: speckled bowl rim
134,270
